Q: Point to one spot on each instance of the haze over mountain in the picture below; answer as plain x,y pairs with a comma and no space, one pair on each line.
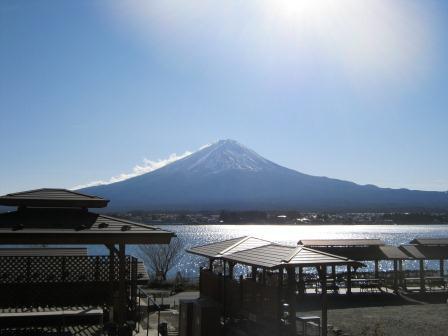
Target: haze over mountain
227,175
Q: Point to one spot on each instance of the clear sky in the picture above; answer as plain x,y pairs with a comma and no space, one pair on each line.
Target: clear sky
356,90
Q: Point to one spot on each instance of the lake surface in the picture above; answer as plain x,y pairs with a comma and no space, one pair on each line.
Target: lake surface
290,234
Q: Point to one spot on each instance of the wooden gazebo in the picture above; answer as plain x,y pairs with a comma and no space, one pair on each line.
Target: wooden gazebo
263,298
422,249
62,217
362,250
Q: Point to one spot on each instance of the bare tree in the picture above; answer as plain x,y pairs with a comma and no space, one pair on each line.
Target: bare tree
162,258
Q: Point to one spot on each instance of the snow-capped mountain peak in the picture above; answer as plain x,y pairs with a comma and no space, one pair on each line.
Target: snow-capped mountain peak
223,155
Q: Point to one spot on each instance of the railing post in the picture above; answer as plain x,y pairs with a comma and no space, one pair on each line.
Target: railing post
422,275
349,279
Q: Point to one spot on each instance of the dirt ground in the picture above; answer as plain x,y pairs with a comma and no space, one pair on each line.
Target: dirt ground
409,320
390,317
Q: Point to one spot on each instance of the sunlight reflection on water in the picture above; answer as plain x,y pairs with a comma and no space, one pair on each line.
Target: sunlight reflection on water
290,235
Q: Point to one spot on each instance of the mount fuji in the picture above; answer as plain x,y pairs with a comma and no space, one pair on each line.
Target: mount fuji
227,175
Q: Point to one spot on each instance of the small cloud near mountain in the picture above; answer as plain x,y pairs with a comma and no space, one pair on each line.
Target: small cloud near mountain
140,169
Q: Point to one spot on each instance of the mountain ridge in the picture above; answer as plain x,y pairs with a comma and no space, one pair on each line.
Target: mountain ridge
228,175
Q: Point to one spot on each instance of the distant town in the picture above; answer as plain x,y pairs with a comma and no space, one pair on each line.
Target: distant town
285,217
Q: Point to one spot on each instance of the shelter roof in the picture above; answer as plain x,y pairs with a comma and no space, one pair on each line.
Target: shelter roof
48,197
365,253
430,241
268,256
341,242
226,247
74,226
275,256
426,252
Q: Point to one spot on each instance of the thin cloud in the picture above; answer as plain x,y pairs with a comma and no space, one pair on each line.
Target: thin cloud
140,169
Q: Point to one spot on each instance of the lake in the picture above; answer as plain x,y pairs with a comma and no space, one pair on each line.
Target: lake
289,234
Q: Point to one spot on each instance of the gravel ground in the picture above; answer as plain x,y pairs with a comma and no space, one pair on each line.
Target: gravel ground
408,320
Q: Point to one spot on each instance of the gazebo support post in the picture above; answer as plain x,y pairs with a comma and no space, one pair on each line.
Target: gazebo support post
349,279
280,299
422,276
377,269
442,268
122,284
254,273
231,266
400,273
395,275
333,273
210,264
291,296
301,282
264,276
113,302
323,281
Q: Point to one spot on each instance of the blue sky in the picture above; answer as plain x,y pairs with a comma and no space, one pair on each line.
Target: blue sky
90,89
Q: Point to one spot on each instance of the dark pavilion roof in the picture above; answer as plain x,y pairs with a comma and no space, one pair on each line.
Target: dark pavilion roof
341,242
357,249
360,253
426,252
430,241
74,226
48,197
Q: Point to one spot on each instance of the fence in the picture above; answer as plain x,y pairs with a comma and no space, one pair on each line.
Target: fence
63,280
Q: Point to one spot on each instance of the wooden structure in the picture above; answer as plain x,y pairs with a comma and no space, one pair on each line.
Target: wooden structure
58,216
260,298
422,249
142,275
363,250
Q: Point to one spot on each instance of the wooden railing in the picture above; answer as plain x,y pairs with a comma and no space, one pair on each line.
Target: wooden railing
64,280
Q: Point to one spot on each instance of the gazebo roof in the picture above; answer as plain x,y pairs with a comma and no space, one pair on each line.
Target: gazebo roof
430,241
60,216
357,249
262,253
275,256
426,252
48,197
226,247
340,242
74,226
